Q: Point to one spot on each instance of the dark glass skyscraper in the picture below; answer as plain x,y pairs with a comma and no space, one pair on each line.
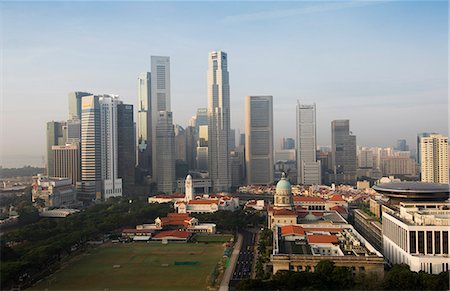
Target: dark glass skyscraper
344,161
126,158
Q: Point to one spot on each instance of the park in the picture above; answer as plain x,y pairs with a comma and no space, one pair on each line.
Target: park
140,266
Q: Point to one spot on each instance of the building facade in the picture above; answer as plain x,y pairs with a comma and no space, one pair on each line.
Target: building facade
218,121
434,159
344,162
144,122
126,156
164,173
259,139
308,168
66,160
56,135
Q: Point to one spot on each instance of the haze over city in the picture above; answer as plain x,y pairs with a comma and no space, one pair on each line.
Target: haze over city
382,65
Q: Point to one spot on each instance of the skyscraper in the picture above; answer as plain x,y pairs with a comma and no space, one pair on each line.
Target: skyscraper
219,121
419,137
56,135
201,118
434,159
91,166
112,184
144,124
401,145
344,162
66,159
75,104
126,157
165,148
287,143
160,101
308,168
259,139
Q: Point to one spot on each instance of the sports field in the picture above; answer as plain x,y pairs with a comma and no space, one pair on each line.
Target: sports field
138,265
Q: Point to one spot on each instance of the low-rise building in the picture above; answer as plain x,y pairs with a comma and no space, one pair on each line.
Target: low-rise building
301,247
55,192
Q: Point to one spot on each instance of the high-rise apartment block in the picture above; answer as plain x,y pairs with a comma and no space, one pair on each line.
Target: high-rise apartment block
219,121
419,137
434,159
308,168
344,162
259,139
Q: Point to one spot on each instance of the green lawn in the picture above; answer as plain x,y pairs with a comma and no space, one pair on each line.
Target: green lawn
140,268
213,238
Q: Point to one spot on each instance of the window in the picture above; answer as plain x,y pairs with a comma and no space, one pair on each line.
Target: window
429,242
412,242
445,242
421,243
437,242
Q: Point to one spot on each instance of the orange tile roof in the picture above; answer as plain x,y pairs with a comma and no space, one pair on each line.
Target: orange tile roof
173,233
339,209
328,229
322,238
292,229
284,212
308,199
202,201
336,197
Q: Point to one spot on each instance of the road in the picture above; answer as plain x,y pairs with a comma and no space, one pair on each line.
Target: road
233,260
243,268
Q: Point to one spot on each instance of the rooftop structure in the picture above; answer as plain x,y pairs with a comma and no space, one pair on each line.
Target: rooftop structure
413,191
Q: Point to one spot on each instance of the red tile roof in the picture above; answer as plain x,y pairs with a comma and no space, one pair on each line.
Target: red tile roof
173,233
133,230
180,219
322,238
336,198
339,209
284,212
308,199
202,201
292,229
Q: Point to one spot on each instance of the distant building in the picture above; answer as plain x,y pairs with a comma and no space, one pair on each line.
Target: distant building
56,135
219,121
144,122
434,159
401,145
165,147
259,139
180,143
126,156
398,166
308,168
75,104
237,157
287,143
418,145
55,192
67,164
344,162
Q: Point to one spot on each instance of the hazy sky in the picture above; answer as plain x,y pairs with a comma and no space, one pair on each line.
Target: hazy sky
383,65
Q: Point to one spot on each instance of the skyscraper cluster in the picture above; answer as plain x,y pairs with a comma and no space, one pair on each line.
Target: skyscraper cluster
95,147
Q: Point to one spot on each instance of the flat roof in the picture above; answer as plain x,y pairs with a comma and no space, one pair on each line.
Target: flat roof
412,187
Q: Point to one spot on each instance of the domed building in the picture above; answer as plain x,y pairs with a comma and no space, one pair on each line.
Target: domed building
283,198
282,212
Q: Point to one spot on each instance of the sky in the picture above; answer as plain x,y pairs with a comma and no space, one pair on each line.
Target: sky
383,65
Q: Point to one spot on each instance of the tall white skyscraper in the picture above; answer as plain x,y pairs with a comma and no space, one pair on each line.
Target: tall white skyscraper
144,124
308,168
112,185
165,149
259,139
160,102
434,159
219,121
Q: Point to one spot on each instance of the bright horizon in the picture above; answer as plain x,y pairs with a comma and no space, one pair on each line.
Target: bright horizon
383,65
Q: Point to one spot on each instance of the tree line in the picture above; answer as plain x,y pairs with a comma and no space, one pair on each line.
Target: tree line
327,276
27,251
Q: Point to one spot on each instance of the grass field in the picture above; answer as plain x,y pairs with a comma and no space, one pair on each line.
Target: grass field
141,267
213,238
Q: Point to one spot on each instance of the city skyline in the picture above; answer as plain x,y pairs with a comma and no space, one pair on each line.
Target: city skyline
368,75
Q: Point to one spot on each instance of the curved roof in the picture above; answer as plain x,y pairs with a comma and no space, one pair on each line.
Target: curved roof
283,184
414,190
412,187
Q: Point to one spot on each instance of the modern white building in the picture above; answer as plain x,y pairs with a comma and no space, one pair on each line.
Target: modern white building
164,173
219,121
112,184
308,168
55,192
259,139
416,234
434,159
